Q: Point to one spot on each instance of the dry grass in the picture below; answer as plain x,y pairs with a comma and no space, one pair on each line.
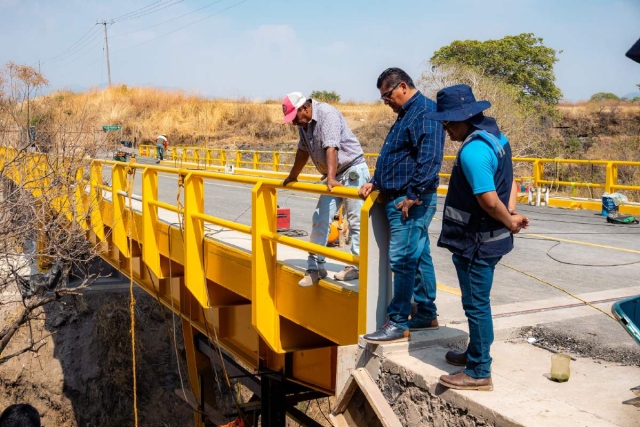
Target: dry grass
188,119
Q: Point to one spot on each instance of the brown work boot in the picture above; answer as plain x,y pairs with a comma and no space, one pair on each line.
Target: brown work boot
312,277
419,322
455,358
347,273
462,381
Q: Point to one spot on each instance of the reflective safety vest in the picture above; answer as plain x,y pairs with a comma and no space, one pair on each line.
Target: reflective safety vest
467,229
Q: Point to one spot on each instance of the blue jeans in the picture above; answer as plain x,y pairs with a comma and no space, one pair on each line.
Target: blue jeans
476,277
160,151
410,259
328,206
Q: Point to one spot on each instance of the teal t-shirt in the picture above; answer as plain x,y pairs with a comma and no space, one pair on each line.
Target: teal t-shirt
479,163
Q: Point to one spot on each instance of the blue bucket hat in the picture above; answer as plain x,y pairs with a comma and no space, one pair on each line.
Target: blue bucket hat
457,104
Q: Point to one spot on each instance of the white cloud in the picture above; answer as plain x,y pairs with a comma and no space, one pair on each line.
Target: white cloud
274,38
336,48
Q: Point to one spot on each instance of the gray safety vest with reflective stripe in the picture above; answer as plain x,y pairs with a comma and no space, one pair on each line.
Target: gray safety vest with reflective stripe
467,230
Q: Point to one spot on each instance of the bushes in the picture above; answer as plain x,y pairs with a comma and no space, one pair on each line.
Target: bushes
325,96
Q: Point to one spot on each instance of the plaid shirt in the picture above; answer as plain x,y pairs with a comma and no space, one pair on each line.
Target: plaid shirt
411,155
326,129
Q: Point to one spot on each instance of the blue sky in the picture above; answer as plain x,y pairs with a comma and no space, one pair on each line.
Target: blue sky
261,49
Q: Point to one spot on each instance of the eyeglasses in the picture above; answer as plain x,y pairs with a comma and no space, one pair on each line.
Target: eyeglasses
387,94
445,124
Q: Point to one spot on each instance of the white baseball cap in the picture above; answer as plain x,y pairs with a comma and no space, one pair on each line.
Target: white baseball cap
290,105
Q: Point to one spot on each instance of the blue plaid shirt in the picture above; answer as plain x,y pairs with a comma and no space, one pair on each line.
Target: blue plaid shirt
411,156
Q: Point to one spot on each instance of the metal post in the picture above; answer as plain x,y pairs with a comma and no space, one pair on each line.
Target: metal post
106,44
272,404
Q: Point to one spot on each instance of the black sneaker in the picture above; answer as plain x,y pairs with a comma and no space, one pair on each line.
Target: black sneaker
390,332
419,322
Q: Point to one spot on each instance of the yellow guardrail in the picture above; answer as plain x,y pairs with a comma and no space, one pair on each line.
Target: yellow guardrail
538,172
263,231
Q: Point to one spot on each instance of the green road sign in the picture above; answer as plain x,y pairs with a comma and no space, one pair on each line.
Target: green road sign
111,127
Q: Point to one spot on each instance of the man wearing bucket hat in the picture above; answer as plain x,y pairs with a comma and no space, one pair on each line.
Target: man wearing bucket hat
338,156
406,177
479,221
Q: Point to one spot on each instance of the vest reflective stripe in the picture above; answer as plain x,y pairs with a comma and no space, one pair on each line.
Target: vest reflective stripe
468,230
491,236
457,215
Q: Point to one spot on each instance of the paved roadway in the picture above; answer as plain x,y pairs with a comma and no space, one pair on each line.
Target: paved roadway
576,251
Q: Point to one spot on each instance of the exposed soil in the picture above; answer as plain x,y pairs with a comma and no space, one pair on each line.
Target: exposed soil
585,344
82,376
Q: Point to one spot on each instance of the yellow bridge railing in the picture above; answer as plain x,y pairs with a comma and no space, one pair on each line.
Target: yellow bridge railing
604,174
246,299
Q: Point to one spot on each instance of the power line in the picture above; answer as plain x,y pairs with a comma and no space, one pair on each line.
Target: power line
78,48
73,46
169,20
158,8
137,10
184,26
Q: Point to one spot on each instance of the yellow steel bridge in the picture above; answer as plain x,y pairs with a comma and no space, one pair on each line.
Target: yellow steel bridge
240,292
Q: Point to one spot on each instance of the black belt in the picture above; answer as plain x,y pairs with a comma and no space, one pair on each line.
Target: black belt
385,196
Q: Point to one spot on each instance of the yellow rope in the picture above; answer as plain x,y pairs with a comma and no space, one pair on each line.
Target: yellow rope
132,300
550,284
558,288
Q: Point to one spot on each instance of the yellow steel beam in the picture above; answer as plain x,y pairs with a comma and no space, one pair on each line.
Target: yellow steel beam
264,315
194,238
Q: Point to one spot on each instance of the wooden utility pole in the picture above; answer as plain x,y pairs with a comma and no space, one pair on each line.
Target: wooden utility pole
106,44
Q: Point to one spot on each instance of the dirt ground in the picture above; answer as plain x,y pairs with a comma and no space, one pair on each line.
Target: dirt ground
82,376
619,349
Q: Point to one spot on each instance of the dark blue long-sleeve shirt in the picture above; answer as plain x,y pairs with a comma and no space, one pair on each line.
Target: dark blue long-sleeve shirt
411,156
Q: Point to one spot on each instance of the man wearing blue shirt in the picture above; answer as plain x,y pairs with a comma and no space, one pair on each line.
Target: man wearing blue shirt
407,178
479,220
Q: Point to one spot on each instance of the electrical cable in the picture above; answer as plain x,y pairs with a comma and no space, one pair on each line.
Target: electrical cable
558,288
169,20
81,47
548,253
138,10
325,417
180,28
93,28
159,7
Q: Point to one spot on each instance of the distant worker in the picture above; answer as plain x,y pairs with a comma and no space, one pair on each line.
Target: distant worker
407,178
478,224
161,146
338,156
20,415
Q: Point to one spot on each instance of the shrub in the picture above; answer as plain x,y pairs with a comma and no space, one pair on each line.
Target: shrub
325,96
604,96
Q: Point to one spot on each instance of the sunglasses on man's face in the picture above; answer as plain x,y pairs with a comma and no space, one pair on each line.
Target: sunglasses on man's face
388,93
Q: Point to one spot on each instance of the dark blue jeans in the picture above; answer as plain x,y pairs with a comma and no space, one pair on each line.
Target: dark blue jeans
410,259
476,278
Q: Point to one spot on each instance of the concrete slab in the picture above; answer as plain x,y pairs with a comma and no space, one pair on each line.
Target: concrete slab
597,394
444,337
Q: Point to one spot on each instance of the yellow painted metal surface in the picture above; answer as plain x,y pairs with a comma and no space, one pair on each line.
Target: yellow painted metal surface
542,170
244,300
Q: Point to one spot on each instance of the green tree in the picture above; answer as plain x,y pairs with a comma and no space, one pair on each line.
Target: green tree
604,96
521,61
526,124
325,96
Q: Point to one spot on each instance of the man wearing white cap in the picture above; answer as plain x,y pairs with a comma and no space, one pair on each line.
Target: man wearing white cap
338,156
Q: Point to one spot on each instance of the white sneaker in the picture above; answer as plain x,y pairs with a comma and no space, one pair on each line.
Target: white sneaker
312,277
